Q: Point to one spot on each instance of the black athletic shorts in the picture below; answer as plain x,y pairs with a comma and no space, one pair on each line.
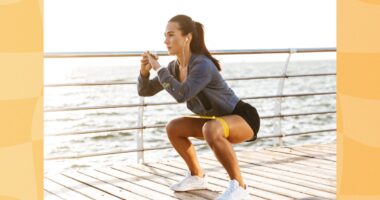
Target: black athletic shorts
250,115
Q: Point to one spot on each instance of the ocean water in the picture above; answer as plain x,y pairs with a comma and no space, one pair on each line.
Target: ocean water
126,69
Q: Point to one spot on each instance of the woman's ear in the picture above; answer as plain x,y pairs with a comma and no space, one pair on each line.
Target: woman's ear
189,37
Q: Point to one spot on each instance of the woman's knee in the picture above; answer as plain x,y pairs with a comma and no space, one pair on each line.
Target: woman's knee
212,131
173,127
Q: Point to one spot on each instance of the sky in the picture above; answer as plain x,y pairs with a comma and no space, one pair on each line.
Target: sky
126,25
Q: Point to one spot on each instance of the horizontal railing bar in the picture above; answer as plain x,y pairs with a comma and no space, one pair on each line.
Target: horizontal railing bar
168,147
299,133
165,53
272,51
290,95
227,79
280,76
97,107
298,114
169,103
106,130
163,125
91,84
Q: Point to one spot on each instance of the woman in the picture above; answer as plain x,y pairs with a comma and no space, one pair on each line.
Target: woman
223,119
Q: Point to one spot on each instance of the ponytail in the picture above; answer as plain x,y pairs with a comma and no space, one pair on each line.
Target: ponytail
198,45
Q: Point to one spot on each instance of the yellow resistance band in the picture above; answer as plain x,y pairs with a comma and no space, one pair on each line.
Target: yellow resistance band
226,129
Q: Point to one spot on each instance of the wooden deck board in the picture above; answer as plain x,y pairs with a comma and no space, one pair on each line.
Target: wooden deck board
317,190
158,182
289,176
327,148
306,161
280,173
79,187
51,196
104,186
61,191
221,183
286,167
219,173
268,184
283,160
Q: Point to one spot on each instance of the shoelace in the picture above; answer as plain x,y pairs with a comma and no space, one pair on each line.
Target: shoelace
187,175
229,190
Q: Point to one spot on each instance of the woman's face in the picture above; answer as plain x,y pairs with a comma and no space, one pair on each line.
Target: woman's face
174,40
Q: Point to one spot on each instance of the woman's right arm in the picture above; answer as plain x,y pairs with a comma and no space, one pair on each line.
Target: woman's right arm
146,87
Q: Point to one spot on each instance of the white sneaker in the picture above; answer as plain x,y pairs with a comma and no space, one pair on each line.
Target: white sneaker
190,183
235,192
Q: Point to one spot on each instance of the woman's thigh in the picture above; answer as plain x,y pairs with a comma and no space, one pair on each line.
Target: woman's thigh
186,127
239,129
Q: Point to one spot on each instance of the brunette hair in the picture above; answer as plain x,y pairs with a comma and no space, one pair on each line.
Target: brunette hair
197,45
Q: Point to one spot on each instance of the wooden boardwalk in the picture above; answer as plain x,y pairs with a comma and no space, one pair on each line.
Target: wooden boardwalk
300,172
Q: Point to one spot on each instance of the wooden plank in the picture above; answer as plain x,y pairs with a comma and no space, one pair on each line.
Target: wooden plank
218,183
286,169
275,193
222,183
276,182
172,178
101,185
176,177
50,196
325,158
327,174
264,172
331,146
320,148
158,182
288,151
303,160
331,158
283,158
328,149
126,185
317,150
166,179
289,166
145,182
61,191
296,169
314,152
82,188
220,172
309,162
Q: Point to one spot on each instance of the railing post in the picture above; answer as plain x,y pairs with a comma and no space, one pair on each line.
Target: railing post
140,132
277,107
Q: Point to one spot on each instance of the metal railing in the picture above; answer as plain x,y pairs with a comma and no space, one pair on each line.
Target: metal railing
140,123
165,53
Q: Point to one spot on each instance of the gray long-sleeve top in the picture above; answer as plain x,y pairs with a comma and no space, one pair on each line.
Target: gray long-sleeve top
204,90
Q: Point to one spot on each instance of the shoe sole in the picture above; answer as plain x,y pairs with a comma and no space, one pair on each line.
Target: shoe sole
184,190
